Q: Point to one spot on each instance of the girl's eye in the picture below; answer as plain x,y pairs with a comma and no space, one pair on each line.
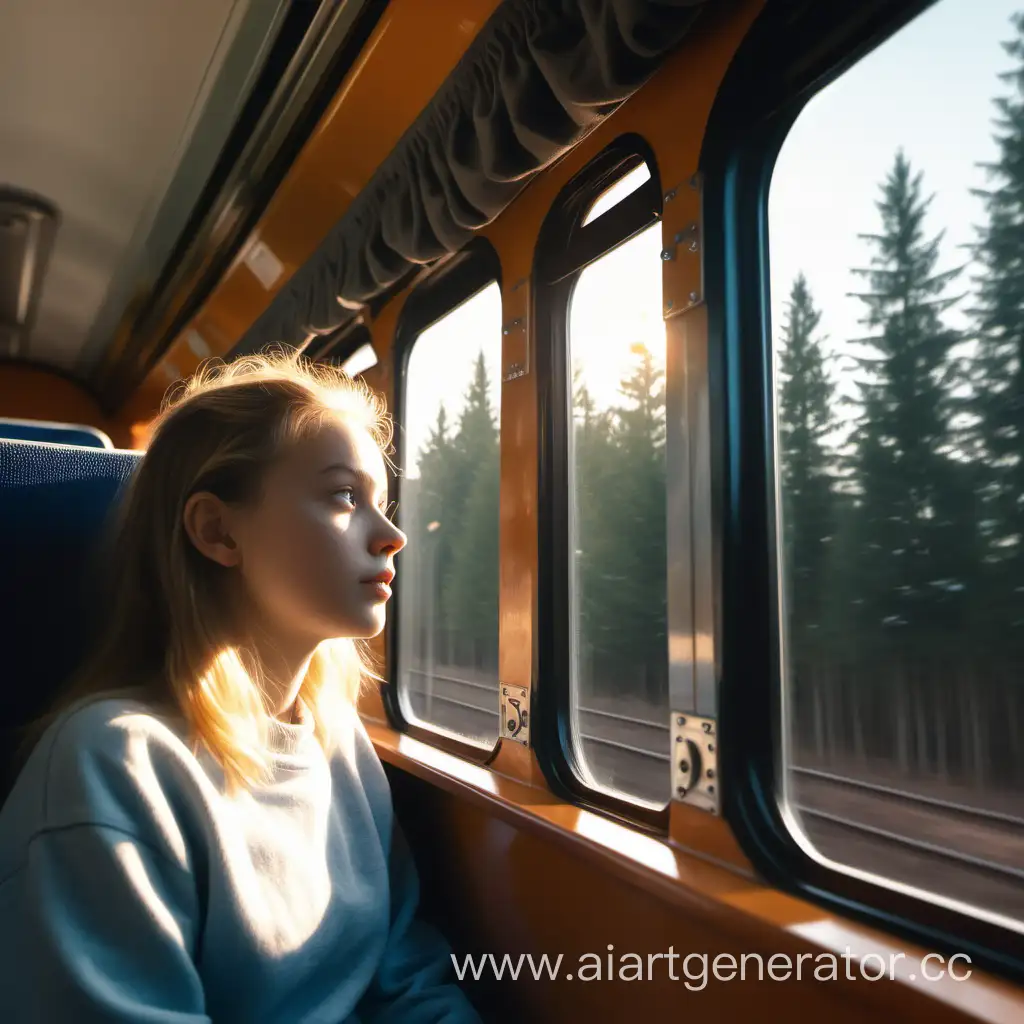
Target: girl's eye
348,494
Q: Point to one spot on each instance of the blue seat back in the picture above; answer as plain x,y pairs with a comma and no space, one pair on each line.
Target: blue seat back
55,501
54,433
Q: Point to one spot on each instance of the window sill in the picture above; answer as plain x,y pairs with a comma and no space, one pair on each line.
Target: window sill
728,899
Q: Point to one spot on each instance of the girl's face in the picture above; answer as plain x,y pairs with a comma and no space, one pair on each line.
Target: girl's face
316,550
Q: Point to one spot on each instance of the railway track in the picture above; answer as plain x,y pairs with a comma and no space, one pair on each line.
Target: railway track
971,854
962,811
636,736
621,752
985,839
982,864
895,833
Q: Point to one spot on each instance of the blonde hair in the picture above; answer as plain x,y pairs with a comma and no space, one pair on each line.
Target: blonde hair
168,627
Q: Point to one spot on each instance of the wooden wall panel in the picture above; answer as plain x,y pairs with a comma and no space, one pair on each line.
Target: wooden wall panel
494,887
32,393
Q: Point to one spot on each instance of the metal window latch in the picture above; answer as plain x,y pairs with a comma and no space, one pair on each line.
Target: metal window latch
695,762
515,714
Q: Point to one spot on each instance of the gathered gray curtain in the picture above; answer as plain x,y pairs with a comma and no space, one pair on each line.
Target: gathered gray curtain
539,76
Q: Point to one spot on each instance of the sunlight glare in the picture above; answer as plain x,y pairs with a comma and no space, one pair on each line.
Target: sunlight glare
614,194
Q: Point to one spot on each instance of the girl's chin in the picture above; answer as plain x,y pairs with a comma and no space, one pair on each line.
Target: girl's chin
367,623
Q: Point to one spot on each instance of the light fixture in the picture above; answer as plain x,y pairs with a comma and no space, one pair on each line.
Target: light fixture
28,226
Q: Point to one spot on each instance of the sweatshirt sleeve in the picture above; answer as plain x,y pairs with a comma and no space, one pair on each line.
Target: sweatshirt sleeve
415,981
97,926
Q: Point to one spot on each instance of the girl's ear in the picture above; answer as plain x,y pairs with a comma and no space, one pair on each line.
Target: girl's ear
207,522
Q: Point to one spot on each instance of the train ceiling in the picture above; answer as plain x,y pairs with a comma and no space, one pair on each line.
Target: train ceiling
231,172
114,112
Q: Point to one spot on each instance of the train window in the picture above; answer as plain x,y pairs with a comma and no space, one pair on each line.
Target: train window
611,586
619,666
896,227
448,505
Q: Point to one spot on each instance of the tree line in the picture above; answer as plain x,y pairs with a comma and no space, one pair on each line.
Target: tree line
903,520
450,512
618,515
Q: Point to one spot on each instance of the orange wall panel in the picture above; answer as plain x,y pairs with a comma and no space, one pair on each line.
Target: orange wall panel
496,885
32,393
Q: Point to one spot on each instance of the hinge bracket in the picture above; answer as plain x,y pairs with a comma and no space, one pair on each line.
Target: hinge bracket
515,713
695,762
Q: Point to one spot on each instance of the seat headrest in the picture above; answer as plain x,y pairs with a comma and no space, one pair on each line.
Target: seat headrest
53,433
55,501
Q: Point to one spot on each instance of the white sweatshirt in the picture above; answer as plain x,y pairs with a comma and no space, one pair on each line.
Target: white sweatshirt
132,888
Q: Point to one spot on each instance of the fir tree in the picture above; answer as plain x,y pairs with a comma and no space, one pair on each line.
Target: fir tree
641,439
590,480
478,429
471,576
808,502
620,500
999,365
472,586
435,469
914,514
423,515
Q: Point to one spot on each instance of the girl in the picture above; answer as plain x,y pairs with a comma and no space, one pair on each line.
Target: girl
205,832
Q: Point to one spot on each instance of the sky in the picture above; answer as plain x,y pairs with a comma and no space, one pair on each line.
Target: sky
928,89
441,365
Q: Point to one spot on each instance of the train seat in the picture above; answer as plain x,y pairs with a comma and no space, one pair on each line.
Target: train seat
56,433
54,501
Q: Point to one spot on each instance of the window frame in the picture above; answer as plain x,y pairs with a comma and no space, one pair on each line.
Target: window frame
781,65
564,250
457,280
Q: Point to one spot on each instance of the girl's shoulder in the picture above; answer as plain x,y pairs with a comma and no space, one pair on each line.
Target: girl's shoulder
112,761
109,730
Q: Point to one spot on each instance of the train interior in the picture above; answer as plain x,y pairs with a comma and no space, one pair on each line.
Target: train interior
702,329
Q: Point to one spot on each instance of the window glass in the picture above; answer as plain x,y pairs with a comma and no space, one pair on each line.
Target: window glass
360,361
448,505
617,487
614,194
896,244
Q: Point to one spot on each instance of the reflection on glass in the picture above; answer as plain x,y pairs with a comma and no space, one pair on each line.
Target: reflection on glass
448,574
361,360
614,195
900,424
619,650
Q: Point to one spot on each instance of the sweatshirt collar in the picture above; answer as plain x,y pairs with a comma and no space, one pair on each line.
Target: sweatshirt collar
290,738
